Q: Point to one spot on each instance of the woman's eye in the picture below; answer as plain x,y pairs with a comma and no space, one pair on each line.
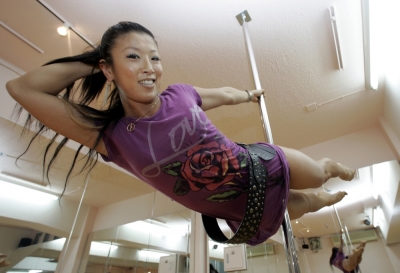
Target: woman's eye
155,59
133,56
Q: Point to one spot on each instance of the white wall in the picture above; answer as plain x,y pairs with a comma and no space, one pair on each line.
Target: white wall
357,150
391,66
6,101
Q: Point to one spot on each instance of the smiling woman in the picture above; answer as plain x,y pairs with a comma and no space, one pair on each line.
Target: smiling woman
166,139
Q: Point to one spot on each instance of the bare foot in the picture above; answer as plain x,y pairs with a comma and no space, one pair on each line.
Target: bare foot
332,198
362,244
358,251
347,173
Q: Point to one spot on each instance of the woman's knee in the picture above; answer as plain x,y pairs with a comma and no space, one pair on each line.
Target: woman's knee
305,172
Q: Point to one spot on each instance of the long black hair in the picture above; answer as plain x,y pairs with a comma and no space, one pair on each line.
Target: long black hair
333,256
79,109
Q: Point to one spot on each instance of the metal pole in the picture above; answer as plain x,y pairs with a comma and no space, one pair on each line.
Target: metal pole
342,229
289,244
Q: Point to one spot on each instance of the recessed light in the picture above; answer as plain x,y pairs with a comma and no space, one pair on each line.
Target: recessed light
63,30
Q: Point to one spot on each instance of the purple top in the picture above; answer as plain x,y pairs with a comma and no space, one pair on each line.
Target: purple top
181,153
338,261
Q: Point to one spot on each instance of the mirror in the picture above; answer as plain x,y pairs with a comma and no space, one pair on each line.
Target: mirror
29,249
152,245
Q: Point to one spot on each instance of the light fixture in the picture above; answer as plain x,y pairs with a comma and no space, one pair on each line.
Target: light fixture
305,227
102,246
157,228
333,18
35,271
370,44
63,30
152,254
21,190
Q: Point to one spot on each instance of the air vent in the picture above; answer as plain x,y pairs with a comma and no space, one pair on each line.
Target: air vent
357,237
260,250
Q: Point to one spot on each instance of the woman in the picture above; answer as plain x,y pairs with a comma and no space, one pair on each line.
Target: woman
166,139
348,264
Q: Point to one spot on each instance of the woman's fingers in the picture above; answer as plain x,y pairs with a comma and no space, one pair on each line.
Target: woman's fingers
256,94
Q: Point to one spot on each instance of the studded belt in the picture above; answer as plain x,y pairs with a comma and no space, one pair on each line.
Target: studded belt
255,199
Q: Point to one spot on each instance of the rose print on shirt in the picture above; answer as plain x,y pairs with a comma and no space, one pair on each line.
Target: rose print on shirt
209,166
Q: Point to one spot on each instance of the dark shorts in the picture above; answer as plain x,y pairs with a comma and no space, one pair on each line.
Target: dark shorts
276,197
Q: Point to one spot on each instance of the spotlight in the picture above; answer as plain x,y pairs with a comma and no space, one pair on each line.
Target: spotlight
215,246
63,30
367,222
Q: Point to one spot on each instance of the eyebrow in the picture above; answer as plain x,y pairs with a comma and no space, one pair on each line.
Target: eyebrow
138,49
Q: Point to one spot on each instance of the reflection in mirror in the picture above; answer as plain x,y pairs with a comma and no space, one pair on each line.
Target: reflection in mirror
269,256
156,246
29,249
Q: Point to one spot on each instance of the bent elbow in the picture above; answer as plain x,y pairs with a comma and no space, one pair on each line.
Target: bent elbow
11,87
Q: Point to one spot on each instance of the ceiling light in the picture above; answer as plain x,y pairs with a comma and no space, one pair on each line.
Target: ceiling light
370,43
157,229
35,271
152,254
21,190
102,246
308,230
297,221
63,30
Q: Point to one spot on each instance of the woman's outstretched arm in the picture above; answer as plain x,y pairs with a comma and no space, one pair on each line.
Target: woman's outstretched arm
215,97
37,91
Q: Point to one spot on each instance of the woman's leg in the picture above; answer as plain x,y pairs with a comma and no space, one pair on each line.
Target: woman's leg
361,245
350,263
307,173
300,203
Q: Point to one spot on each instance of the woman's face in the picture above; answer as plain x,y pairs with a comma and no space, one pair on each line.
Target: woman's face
136,68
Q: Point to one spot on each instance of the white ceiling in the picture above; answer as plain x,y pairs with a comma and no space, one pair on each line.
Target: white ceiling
202,43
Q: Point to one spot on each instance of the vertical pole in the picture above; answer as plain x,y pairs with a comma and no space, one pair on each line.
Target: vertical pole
343,230
291,254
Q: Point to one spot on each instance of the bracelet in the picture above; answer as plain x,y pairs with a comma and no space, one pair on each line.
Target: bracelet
250,98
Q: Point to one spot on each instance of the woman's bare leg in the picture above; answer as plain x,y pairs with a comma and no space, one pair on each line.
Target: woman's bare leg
306,172
351,263
361,245
300,203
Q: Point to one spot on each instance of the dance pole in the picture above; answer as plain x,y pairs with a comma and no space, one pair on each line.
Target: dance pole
291,254
346,234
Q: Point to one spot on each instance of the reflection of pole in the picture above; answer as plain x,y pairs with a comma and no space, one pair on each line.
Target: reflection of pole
289,244
60,264
342,229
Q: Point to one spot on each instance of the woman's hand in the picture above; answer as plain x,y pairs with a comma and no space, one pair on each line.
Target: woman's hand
255,94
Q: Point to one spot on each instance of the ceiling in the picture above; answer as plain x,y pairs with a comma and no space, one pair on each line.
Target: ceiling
202,43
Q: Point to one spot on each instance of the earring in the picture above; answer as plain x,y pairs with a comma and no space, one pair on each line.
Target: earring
108,87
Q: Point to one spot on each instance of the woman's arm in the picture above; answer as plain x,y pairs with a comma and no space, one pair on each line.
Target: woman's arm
215,97
37,91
